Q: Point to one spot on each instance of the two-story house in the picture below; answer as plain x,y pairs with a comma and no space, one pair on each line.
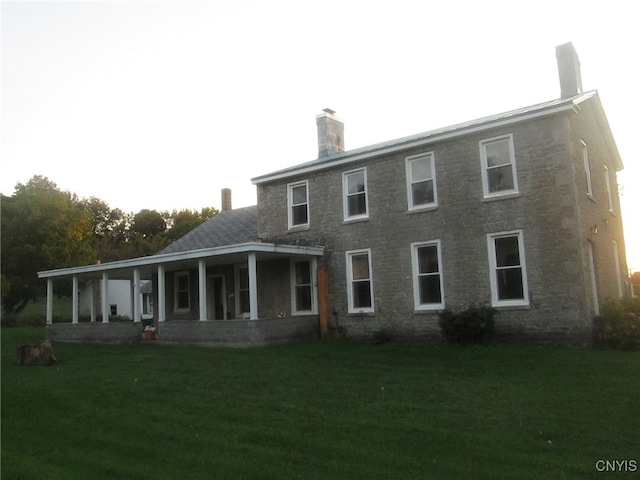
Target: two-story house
518,210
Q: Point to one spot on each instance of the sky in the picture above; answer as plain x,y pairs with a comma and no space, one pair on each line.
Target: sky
160,105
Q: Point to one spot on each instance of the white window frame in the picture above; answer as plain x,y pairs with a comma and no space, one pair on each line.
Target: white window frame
345,195
176,282
349,255
607,180
415,265
410,201
587,169
238,290
485,167
493,268
291,204
313,265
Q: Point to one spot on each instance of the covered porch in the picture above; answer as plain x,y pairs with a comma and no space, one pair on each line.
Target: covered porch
236,295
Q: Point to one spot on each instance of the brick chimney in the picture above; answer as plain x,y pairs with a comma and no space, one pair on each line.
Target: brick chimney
330,133
569,70
226,199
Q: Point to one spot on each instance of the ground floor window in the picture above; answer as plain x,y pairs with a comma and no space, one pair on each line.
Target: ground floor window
427,275
359,281
303,287
508,269
181,291
243,305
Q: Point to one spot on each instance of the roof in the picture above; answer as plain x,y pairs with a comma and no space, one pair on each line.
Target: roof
484,123
229,227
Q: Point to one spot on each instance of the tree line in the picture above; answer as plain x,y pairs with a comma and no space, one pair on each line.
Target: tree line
44,228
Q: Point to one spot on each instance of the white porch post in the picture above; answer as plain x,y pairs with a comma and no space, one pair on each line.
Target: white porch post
202,289
105,297
136,295
253,287
162,307
74,300
49,301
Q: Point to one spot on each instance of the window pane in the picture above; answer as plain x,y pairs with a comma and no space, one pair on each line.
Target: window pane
428,259
430,289
500,178
299,194
244,301
420,170
362,294
300,214
507,253
303,298
303,273
422,193
183,282
498,153
360,267
355,182
357,204
183,300
510,284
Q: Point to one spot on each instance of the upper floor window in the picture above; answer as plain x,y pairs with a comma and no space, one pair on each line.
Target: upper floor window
421,181
354,191
498,166
508,269
181,291
298,204
359,281
587,169
427,275
607,181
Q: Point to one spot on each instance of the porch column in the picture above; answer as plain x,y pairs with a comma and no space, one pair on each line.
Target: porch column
49,301
74,300
202,289
105,297
136,294
253,287
162,307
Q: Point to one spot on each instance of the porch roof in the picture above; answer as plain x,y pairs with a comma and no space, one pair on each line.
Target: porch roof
227,254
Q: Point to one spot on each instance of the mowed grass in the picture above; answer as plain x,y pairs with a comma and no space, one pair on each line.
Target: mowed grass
320,410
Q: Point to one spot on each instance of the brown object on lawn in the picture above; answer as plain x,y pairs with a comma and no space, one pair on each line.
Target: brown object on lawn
36,354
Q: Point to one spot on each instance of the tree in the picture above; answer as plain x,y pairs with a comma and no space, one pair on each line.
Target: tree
183,221
111,230
43,228
147,232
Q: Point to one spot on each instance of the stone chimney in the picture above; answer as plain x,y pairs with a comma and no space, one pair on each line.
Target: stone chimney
330,133
226,199
569,70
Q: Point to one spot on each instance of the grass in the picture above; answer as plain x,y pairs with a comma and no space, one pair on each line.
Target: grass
320,410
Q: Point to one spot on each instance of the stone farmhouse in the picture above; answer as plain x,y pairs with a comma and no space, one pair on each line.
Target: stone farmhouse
519,210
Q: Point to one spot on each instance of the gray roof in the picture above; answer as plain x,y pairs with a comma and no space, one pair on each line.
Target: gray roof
230,227
512,116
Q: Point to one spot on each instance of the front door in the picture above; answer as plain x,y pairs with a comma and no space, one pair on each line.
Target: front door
216,298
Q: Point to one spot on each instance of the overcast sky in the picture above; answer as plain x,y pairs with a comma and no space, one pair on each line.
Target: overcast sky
160,105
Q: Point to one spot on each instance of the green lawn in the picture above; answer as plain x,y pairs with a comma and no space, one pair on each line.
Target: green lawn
321,410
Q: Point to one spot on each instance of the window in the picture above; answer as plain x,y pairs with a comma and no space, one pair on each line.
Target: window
427,275
616,259
508,270
421,181
181,291
303,286
587,169
607,180
359,282
147,304
242,290
298,201
354,188
498,166
113,309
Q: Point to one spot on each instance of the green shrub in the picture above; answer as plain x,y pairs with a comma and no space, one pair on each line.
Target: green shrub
618,326
382,336
471,326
